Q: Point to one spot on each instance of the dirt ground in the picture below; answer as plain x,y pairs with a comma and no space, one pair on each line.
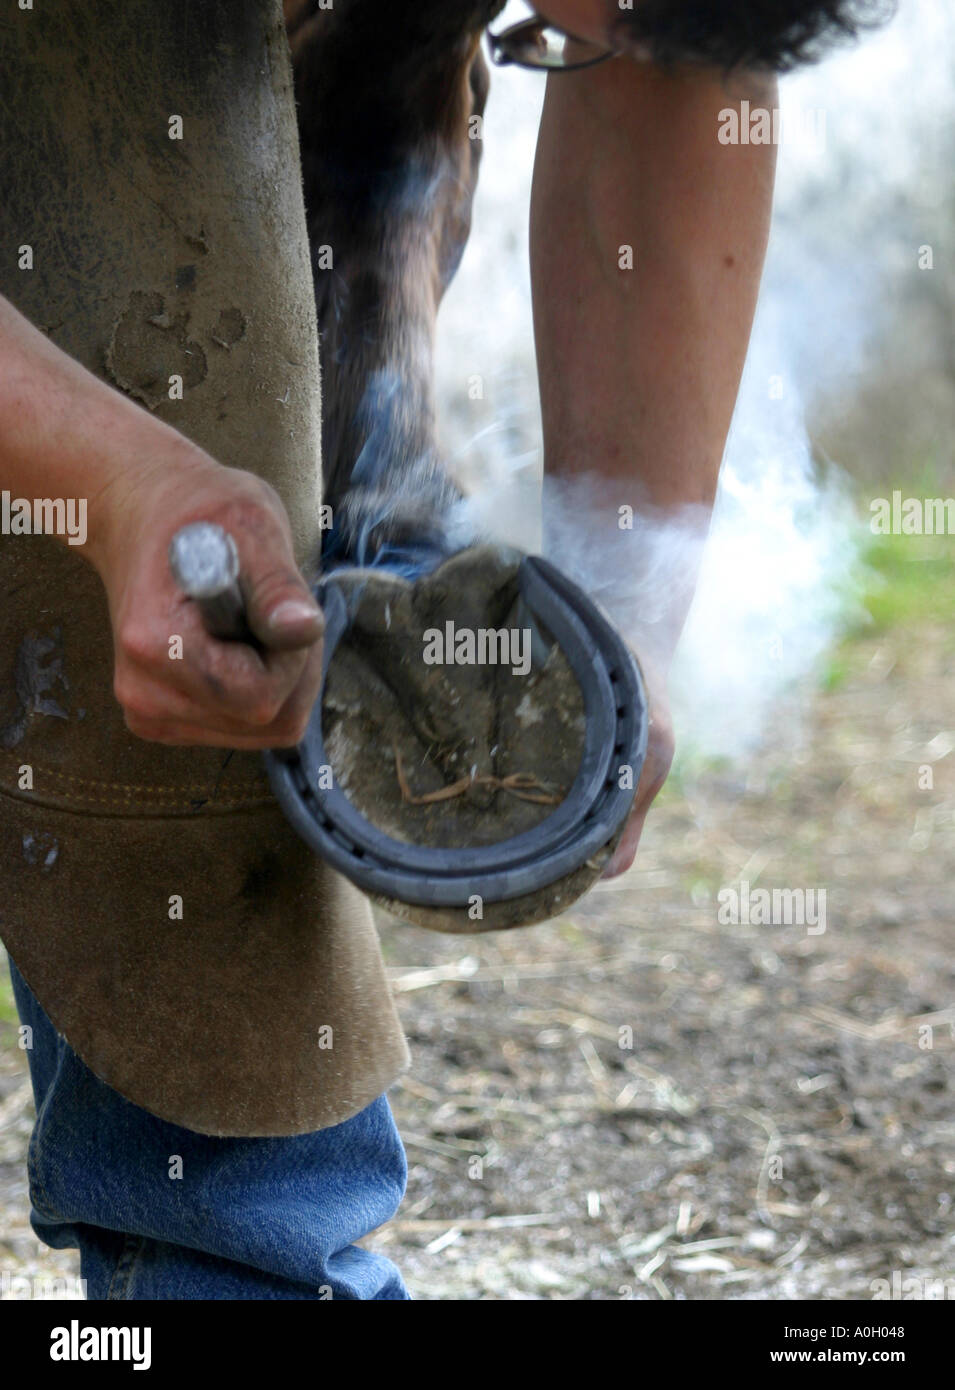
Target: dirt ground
781,1126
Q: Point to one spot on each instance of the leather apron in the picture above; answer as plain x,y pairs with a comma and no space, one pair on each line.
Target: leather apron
264,1009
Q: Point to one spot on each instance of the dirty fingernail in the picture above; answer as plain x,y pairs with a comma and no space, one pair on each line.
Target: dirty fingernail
293,610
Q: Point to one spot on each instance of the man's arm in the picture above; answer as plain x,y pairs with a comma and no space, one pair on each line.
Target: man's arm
639,369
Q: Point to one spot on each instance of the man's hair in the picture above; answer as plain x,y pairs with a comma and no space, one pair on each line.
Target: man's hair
773,35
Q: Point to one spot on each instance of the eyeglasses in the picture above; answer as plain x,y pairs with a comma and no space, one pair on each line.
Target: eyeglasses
534,43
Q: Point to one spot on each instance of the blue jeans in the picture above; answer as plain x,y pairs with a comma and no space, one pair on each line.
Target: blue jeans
159,1212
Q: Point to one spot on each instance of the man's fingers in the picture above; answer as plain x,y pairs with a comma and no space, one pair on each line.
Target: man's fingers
626,851
151,709
181,735
225,677
280,609
656,769
292,624
160,714
232,679
173,671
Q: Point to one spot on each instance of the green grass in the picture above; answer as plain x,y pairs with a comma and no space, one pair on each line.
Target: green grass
8,1010
835,672
907,580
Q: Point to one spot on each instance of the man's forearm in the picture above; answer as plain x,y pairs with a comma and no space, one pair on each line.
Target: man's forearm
639,368
64,433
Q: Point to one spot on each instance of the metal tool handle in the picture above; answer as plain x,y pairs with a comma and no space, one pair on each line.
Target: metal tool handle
205,564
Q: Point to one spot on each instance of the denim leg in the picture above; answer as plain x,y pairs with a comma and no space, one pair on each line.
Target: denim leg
161,1212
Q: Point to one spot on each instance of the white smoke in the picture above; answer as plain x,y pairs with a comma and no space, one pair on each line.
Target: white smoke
777,576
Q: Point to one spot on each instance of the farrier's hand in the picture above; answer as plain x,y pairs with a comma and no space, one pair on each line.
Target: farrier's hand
656,767
221,694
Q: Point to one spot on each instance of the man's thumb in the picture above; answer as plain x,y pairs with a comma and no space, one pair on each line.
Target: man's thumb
282,613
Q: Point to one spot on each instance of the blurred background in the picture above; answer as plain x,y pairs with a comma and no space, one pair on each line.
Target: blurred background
640,1100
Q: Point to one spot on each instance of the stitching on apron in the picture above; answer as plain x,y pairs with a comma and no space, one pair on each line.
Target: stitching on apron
163,806
134,786
163,798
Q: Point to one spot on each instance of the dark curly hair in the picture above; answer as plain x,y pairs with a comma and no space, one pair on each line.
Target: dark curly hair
772,35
